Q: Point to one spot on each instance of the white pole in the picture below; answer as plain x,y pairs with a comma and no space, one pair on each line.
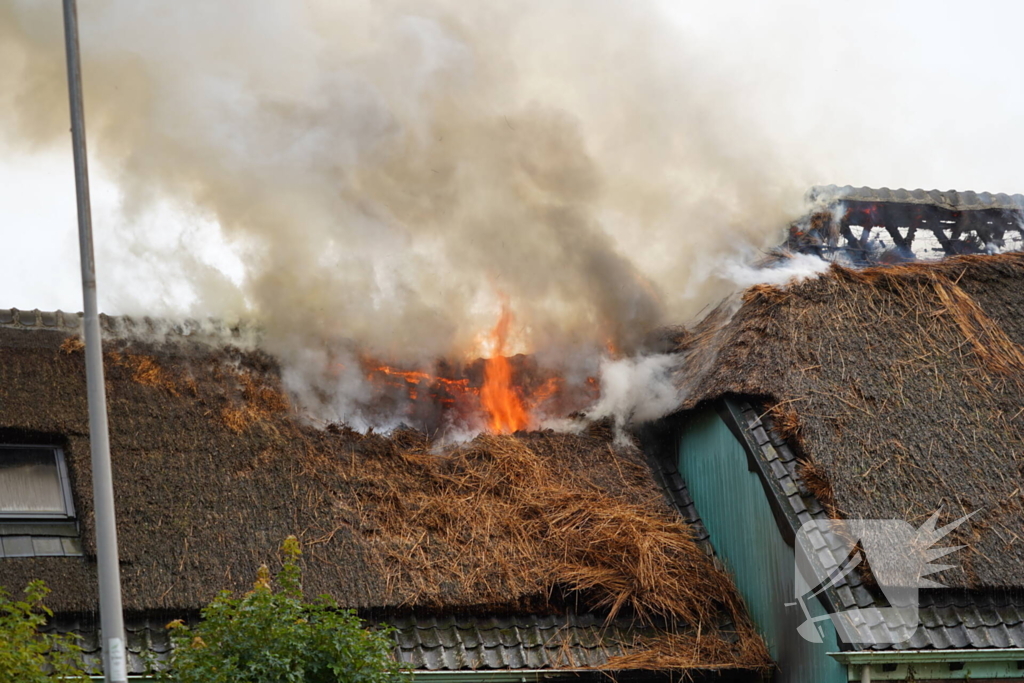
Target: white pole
109,573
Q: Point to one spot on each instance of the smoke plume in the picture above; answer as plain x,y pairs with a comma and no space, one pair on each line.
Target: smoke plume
387,172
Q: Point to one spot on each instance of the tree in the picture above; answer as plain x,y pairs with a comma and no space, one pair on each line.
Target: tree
273,636
28,656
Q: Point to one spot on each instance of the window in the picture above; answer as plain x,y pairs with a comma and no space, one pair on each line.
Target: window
34,484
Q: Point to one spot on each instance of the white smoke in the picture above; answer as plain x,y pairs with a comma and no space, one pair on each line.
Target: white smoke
789,269
636,390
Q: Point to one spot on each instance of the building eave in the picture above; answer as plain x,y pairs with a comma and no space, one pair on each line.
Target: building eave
963,664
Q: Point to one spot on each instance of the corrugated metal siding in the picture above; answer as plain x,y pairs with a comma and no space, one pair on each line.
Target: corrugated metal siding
733,506
949,199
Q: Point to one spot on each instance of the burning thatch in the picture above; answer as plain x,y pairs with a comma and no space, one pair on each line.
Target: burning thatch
900,386
213,469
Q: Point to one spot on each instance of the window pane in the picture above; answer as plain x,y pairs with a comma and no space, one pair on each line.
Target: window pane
29,481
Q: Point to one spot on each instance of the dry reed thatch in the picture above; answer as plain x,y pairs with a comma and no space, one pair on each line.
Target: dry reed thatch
997,352
213,469
145,370
513,503
72,344
906,385
816,481
672,652
258,404
786,422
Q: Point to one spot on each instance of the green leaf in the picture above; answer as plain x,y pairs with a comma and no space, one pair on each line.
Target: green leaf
274,636
28,655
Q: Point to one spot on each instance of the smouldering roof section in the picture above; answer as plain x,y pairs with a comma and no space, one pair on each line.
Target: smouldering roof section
948,199
213,469
902,384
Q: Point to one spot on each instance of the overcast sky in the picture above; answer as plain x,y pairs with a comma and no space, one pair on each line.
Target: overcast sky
898,94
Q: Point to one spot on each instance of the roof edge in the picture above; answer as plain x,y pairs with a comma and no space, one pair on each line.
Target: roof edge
132,327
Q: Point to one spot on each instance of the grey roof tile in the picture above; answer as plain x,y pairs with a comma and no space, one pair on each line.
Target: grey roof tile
788,486
939,638
797,503
492,659
760,435
471,658
957,637
547,621
44,546
999,636
919,640
1009,615
970,616
428,637
816,539
752,419
448,636
469,635
490,637
136,640
873,617
583,637
778,469
846,596
536,658
452,657
28,318
786,453
17,546
530,636
978,637
71,546
684,497
514,658
406,639
509,636
928,617
827,559
159,641
416,658
402,622
137,662
862,596
949,616
791,469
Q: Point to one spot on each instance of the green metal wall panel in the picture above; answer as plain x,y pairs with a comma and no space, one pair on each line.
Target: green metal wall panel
733,505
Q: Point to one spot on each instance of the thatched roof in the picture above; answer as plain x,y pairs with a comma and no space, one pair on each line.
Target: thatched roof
902,389
213,469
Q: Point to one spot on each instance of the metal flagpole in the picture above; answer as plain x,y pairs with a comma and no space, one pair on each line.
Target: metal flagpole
111,618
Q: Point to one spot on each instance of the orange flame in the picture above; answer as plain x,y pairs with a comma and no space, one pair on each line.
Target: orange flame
505,411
